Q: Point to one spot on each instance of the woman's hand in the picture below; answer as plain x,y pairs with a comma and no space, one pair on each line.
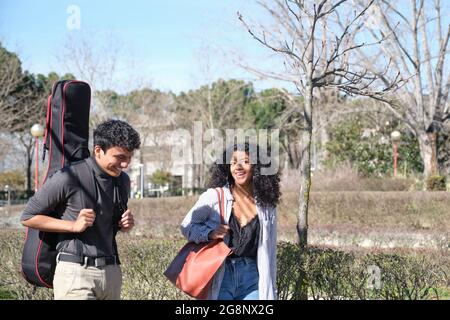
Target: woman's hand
219,233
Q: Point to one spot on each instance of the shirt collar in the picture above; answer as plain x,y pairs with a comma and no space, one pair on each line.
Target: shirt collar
227,192
97,169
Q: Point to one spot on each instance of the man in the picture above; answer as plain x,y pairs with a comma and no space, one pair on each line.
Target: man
87,262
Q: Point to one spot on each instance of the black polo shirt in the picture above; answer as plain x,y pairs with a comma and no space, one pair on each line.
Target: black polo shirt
61,194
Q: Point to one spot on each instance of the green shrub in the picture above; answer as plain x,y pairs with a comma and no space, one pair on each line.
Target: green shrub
5,294
12,283
324,273
143,264
336,275
289,280
404,278
436,183
328,274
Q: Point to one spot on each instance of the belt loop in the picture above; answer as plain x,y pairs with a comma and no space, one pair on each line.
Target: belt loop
85,265
57,257
100,262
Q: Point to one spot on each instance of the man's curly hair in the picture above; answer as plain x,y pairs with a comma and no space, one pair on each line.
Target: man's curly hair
266,188
116,133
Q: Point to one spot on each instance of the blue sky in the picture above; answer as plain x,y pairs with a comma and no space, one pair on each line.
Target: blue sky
165,44
160,42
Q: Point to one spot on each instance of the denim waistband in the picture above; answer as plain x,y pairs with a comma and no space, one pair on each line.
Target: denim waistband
247,260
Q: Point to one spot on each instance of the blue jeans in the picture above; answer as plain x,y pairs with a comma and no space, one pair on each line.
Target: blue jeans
240,281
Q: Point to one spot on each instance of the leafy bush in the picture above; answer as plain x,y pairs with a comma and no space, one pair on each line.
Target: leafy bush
289,280
336,275
325,273
436,183
404,278
144,262
12,283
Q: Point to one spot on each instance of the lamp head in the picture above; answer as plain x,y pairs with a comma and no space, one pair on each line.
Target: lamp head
37,130
396,136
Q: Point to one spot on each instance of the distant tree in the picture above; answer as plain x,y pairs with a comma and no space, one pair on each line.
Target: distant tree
13,178
317,41
218,106
160,177
150,113
417,47
19,95
23,100
366,145
47,81
266,107
276,109
97,58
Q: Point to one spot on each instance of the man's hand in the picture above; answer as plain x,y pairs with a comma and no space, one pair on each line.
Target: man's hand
219,233
85,219
127,221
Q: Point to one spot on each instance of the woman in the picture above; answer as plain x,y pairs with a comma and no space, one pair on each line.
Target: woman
249,273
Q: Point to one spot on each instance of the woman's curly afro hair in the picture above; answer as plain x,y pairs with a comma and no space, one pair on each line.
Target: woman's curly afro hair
266,188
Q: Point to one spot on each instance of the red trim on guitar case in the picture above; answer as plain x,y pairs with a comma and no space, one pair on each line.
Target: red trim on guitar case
37,266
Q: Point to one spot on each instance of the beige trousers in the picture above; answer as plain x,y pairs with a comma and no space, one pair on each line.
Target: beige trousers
73,281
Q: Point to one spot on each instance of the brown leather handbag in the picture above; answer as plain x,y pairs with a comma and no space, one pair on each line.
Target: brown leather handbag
194,267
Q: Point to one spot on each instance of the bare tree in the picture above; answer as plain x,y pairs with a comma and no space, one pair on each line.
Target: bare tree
97,59
317,40
150,113
22,104
21,96
152,117
91,57
417,47
11,79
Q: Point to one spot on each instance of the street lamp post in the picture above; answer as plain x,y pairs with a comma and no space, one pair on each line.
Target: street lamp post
395,136
37,131
8,191
141,176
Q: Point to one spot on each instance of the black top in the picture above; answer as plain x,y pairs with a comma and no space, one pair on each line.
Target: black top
61,194
244,241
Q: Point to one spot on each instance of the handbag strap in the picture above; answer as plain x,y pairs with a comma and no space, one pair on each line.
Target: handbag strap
220,196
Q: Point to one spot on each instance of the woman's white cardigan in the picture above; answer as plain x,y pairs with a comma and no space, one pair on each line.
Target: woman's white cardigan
205,217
